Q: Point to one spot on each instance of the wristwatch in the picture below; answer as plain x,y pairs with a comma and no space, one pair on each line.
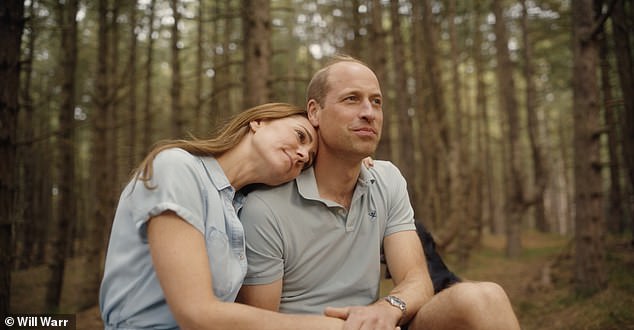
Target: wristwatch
397,302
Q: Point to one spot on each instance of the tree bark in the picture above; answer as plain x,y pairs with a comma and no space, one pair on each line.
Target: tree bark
101,161
199,71
616,220
29,151
589,272
508,104
178,113
148,118
540,174
622,34
58,239
402,108
133,118
11,28
257,52
378,63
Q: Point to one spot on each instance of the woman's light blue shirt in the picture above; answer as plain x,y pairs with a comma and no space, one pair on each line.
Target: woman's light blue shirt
197,190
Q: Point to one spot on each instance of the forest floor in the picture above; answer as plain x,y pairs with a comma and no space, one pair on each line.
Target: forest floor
539,284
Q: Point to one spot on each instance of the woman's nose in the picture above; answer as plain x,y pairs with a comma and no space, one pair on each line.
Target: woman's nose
303,152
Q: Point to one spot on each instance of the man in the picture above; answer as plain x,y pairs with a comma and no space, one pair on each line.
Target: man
313,245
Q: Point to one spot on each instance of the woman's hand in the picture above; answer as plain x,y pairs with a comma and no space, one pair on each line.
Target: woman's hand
368,162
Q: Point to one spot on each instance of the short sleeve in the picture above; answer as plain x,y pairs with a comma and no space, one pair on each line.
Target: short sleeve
400,212
264,242
177,187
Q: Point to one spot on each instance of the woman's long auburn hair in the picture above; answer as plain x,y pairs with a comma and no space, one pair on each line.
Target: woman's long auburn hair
227,137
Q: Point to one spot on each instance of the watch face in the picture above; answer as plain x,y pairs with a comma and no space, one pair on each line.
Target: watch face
396,302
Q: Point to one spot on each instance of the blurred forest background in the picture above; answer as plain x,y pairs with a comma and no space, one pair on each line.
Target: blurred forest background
507,117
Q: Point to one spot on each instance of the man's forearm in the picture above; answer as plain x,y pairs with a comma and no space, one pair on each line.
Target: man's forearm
415,291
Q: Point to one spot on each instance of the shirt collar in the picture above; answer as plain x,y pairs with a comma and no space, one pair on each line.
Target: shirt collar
307,184
219,179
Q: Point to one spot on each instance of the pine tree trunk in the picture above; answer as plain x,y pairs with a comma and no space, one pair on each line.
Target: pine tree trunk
405,160
616,220
508,103
199,120
422,203
11,27
539,169
625,63
378,63
59,240
178,123
257,51
148,117
132,139
100,164
590,274
29,151
483,123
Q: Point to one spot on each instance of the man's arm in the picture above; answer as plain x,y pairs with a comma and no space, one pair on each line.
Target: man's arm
406,262
265,296
413,285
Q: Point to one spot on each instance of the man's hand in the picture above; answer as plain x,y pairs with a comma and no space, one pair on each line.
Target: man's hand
375,316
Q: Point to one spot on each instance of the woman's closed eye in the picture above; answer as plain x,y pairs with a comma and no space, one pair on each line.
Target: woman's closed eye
301,135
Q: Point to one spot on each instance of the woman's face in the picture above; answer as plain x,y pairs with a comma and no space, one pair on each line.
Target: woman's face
286,145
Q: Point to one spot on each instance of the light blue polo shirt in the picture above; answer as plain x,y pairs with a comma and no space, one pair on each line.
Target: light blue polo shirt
325,254
197,190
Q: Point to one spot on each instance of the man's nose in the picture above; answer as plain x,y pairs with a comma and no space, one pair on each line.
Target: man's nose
367,111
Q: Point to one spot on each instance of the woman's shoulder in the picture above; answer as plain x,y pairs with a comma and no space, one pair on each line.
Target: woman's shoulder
175,160
174,156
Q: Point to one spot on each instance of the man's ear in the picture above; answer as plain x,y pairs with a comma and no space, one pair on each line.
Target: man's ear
312,107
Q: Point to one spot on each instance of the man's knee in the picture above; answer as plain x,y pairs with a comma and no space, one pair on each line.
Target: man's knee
484,305
474,298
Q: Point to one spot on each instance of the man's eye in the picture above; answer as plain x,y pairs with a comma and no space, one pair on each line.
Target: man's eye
377,101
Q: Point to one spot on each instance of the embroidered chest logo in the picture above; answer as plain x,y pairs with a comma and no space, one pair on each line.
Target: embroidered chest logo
372,215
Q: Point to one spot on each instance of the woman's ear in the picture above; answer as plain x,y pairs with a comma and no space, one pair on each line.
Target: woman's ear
312,107
255,125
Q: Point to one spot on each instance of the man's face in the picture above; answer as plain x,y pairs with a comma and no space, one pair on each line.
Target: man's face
351,118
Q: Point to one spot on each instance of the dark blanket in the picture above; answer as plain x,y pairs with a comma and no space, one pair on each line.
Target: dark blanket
441,276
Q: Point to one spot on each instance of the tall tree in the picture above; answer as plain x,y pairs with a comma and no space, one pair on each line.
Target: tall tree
378,63
515,206
148,118
482,127
540,174
462,210
589,221
199,71
100,162
401,105
623,45
28,164
257,51
133,118
11,28
59,241
436,130
178,112
616,220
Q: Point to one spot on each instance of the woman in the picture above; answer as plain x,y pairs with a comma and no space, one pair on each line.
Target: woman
176,251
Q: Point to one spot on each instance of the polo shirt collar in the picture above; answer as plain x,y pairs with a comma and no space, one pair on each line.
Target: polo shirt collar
307,184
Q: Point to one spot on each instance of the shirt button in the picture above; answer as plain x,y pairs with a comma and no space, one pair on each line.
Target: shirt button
241,256
342,212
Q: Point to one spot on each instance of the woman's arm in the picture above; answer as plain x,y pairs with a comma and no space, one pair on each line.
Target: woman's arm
180,259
